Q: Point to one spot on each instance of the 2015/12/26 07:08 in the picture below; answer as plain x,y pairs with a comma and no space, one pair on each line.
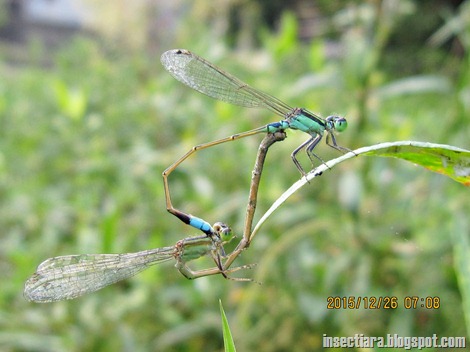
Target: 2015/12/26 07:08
385,302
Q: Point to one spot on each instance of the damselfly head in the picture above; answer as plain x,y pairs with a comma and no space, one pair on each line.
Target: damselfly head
223,231
337,123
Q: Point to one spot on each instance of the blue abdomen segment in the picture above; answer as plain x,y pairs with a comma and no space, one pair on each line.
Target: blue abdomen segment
200,224
193,221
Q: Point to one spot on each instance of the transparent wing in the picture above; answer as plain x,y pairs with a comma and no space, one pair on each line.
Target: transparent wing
206,78
71,276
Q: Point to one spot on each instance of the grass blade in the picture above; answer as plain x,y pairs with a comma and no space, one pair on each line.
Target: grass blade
228,340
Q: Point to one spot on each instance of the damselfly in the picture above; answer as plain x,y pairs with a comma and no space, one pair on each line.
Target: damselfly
71,276
206,78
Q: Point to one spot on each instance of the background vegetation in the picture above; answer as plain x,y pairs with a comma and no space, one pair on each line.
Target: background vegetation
84,139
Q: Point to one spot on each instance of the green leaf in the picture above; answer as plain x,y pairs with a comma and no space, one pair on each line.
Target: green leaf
462,266
444,159
72,102
286,39
228,340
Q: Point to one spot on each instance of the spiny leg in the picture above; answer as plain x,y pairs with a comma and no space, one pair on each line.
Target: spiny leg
314,142
195,274
218,253
294,156
224,272
335,145
310,144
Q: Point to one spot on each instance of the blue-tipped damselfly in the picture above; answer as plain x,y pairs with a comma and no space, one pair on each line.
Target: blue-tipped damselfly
71,276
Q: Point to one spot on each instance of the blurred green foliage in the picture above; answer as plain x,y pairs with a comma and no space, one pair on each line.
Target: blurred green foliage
84,141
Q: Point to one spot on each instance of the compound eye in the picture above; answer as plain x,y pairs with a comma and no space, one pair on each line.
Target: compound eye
340,124
224,231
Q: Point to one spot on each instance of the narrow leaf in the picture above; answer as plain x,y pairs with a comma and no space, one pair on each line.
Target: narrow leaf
444,159
228,340
462,265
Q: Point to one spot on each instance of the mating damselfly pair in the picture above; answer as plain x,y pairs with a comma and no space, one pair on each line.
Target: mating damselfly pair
68,277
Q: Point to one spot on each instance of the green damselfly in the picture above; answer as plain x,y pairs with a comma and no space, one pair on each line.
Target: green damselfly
206,78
